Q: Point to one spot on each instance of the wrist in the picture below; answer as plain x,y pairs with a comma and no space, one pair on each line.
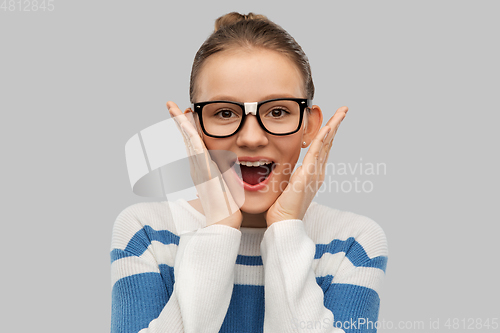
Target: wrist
233,221
271,220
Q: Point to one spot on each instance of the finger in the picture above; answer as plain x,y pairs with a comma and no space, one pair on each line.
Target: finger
178,116
193,137
335,121
328,149
190,115
313,154
201,159
176,113
173,109
324,145
194,145
325,149
185,138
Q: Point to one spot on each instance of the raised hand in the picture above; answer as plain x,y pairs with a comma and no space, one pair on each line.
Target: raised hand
221,204
307,178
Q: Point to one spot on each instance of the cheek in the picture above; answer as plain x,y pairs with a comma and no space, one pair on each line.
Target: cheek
214,143
291,146
290,153
210,143
222,149
207,141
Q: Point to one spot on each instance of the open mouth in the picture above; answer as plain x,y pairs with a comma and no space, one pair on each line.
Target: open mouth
254,173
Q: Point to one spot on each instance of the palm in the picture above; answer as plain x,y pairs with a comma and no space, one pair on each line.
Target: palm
219,205
308,178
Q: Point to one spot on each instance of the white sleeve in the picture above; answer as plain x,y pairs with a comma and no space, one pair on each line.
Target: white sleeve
199,298
292,295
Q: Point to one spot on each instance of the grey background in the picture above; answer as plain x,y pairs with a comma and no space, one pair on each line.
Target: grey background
421,80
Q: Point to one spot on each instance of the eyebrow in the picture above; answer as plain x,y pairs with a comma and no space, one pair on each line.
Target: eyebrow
229,98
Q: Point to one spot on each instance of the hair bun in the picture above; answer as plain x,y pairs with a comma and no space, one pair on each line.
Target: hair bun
234,17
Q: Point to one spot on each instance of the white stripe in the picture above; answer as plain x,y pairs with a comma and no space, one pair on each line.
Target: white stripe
368,277
344,271
250,241
328,264
129,266
164,254
252,275
123,230
156,215
344,225
156,254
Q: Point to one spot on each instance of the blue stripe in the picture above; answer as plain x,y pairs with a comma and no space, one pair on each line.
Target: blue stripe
118,254
139,243
354,252
249,260
353,304
246,310
324,282
167,274
137,300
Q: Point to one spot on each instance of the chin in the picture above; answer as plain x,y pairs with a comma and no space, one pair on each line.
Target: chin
254,209
256,205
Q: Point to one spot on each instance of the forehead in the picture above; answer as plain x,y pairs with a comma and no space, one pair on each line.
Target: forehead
249,75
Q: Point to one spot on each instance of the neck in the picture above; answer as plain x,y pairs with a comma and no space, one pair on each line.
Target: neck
254,220
249,220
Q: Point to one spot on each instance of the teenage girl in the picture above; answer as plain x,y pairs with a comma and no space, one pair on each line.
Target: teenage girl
264,256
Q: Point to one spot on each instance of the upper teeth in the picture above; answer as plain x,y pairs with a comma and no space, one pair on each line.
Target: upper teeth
254,164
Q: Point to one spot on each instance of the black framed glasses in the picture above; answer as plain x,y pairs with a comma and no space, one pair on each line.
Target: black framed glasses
279,116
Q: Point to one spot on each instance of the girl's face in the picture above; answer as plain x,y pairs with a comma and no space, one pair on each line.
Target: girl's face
251,76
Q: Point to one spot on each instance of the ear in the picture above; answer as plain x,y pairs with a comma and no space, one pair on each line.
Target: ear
312,124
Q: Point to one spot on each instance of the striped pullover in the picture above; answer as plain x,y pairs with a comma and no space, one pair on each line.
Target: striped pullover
171,273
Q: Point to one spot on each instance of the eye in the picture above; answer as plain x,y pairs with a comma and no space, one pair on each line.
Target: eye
278,112
224,114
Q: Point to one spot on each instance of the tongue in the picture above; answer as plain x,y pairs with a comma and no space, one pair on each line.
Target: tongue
255,175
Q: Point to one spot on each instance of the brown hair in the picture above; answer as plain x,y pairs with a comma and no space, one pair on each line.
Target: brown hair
247,31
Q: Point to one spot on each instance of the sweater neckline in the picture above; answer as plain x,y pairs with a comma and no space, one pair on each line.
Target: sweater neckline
183,202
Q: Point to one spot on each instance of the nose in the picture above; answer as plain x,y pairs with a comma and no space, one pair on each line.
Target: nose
251,135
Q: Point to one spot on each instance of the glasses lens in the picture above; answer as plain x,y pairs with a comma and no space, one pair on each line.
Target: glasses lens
280,117
221,119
